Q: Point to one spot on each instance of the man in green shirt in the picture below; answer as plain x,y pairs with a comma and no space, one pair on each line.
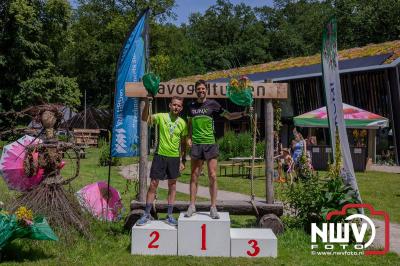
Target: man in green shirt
202,113
166,163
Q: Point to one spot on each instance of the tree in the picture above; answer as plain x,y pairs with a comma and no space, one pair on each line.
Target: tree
31,40
98,33
229,36
361,22
172,53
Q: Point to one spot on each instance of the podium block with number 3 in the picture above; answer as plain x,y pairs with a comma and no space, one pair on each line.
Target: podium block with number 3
253,243
155,238
200,235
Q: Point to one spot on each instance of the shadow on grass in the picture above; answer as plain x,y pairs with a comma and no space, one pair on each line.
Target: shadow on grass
15,252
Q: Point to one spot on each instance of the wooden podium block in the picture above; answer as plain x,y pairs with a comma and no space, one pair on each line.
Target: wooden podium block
200,235
155,238
253,243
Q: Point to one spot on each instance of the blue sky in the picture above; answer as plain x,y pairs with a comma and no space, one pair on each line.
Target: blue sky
184,8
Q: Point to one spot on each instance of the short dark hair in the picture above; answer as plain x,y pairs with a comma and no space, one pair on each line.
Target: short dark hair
179,98
200,81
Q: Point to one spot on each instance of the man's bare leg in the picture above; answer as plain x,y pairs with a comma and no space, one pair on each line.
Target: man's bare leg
212,177
151,192
150,196
171,200
196,169
171,191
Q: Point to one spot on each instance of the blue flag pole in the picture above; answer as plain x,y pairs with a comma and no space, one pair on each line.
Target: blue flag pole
130,67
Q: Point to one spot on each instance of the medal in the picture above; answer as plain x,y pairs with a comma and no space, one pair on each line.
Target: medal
172,125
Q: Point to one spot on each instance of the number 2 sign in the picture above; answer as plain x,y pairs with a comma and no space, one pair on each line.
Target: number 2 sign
156,236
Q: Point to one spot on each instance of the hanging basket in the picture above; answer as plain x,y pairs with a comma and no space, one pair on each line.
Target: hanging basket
151,83
240,92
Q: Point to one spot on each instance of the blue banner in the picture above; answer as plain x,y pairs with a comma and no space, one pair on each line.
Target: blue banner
130,68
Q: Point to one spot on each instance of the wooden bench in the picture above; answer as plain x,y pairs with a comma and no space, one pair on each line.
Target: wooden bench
247,168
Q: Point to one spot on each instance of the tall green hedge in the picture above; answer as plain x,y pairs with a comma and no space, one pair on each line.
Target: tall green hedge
234,145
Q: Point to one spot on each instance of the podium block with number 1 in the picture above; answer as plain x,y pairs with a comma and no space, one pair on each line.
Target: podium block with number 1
200,235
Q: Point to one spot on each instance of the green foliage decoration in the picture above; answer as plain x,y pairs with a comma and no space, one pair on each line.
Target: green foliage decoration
151,83
240,92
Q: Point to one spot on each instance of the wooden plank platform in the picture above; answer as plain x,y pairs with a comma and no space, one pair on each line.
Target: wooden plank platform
233,207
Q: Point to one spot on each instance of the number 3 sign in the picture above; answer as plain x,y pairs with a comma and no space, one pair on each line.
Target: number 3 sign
256,249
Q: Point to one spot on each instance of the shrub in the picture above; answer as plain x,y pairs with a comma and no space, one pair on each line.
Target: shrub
227,146
105,156
260,149
312,198
244,144
234,145
101,142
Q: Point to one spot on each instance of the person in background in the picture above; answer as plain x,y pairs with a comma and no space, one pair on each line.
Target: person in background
298,147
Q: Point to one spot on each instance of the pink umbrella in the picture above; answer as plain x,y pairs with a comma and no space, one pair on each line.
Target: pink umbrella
12,165
93,197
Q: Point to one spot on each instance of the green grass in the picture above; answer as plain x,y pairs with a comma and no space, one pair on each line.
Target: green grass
382,190
91,172
110,244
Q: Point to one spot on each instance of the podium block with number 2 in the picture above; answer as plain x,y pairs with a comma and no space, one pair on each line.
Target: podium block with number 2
253,243
200,235
155,238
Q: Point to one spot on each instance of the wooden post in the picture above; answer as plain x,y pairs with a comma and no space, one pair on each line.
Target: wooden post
143,157
372,145
269,150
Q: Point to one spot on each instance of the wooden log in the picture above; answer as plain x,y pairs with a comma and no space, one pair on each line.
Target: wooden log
272,222
214,90
233,207
143,156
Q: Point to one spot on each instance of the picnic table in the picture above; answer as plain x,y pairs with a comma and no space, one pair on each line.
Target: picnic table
246,166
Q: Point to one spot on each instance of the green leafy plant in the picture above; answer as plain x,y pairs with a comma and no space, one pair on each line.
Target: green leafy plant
105,157
312,197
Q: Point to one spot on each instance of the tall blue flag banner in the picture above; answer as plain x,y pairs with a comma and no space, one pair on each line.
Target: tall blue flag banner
130,68
333,94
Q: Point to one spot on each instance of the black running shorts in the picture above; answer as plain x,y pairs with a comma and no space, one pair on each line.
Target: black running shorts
204,152
164,167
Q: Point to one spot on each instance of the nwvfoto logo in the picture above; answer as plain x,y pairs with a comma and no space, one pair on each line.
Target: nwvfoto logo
338,234
121,141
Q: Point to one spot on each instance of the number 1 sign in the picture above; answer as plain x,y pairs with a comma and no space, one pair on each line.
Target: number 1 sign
200,235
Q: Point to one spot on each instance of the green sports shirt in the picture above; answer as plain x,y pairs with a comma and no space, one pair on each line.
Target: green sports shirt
170,134
202,117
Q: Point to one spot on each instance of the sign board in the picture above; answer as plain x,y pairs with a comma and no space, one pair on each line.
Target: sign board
200,235
253,243
215,90
155,238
